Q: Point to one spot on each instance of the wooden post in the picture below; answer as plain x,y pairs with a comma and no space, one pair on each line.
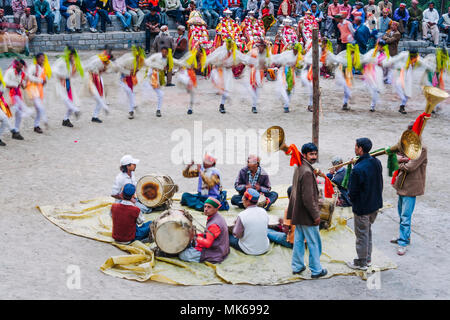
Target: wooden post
316,89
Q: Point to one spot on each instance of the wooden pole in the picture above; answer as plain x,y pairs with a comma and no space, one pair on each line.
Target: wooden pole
316,89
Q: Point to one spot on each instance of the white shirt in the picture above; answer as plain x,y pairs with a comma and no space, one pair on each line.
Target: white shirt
121,180
431,16
255,221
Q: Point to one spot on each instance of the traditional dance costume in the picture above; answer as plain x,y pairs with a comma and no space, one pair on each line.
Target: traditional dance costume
64,69
157,65
95,66
5,112
225,58
37,76
14,81
128,65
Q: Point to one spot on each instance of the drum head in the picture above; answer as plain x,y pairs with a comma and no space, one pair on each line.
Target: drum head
172,237
149,190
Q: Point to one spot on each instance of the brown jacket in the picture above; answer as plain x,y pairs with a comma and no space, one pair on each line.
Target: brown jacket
414,184
303,206
29,24
392,39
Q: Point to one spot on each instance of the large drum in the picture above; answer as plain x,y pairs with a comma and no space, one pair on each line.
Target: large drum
326,212
173,230
154,191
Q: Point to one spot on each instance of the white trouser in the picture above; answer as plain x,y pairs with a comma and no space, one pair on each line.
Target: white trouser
434,32
99,106
375,94
71,108
130,95
20,110
40,112
255,96
5,123
308,85
401,93
160,95
191,99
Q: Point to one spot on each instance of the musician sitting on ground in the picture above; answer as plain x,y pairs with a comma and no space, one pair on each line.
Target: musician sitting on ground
337,176
250,230
212,245
283,233
253,176
126,175
208,185
127,221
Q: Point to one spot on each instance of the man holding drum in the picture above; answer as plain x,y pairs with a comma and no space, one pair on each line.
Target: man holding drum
212,245
253,176
127,168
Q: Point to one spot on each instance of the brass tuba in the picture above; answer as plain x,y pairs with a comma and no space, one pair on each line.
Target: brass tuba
273,140
409,145
433,96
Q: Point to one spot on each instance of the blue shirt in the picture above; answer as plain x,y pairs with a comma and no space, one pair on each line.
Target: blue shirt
362,35
398,17
132,3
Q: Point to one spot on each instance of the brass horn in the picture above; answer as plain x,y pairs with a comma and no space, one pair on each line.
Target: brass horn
273,140
433,96
409,145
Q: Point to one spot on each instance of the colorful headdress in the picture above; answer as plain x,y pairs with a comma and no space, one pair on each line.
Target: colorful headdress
67,53
46,66
139,56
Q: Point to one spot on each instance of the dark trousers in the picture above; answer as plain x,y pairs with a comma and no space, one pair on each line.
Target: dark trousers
176,14
237,199
363,233
49,18
148,37
66,16
234,242
104,18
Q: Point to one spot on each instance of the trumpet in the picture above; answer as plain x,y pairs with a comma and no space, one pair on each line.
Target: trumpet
409,144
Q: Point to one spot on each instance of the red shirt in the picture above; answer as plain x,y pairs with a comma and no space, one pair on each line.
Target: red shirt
124,221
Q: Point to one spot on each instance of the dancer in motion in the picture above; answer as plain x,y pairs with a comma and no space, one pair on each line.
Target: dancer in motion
64,69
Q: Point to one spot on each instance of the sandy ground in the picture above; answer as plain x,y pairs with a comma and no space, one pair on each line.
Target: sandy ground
66,165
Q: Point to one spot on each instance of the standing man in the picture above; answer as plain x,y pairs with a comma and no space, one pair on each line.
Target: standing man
151,22
212,245
164,40
362,35
346,30
181,43
345,9
384,22
331,24
304,212
429,24
253,176
137,15
250,230
365,191
415,19
409,184
42,11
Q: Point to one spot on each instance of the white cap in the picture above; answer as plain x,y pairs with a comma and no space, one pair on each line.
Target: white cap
128,159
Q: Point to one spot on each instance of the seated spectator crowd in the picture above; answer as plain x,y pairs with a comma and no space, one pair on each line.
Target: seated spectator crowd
135,15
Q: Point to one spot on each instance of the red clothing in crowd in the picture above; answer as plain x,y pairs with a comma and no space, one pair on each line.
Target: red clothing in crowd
124,221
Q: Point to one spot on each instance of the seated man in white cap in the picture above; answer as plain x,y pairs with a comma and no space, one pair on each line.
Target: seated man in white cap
213,244
126,175
253,176
250,230
127,220
209,185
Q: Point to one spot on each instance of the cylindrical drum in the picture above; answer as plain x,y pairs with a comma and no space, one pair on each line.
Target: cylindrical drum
262,200
154,191
326,212
173,230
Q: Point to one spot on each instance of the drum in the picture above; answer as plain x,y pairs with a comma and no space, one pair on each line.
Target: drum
173,230
261,201
154,191
326,212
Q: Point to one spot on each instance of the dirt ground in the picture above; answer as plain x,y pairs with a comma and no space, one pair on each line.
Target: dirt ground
65,165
